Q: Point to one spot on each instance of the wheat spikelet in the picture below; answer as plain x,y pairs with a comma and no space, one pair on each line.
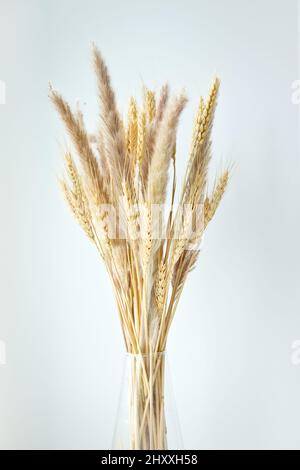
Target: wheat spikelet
76,198
163,100
79,212
161,286
147,236
195,178
132,128
211,204
150,105
152,132
111,124
197,125
81,142
207,111
78,202
73,175
163,151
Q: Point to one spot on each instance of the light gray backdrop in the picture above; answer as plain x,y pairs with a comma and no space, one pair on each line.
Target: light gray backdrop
230,348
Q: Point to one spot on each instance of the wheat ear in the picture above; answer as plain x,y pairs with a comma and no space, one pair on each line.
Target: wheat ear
211,204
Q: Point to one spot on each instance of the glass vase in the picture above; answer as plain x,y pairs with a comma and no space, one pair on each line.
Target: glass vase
147,417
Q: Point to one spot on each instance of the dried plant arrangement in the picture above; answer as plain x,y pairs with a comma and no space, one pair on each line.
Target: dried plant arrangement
116,187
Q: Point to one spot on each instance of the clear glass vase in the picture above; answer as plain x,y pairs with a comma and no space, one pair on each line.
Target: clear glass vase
147,417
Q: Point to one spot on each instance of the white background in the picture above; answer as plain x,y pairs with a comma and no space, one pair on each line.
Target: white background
230,344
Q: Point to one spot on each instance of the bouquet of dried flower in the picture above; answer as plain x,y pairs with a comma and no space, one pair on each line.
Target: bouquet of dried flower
117,191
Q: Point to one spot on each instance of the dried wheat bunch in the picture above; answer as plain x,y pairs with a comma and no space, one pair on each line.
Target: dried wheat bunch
117,190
